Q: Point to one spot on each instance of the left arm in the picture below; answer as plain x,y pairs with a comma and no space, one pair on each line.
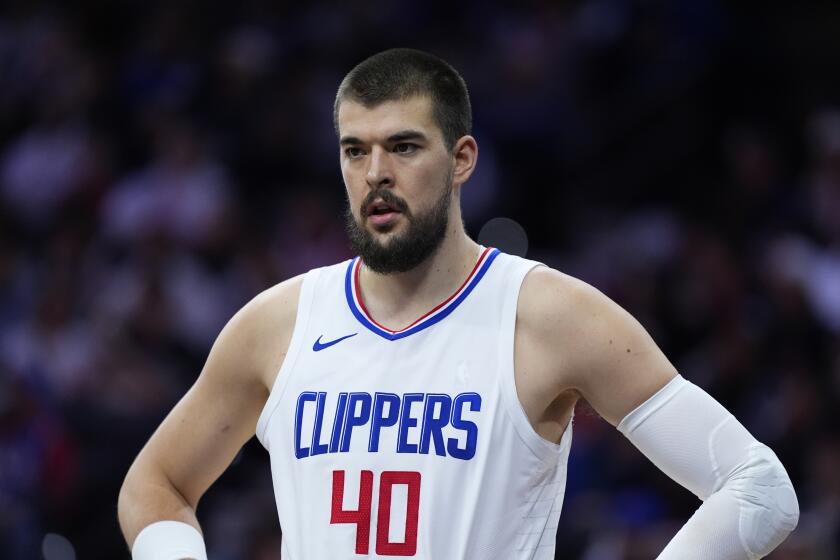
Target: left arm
749,506
605,356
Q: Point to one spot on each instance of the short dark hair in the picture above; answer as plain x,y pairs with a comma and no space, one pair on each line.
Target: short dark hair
401,73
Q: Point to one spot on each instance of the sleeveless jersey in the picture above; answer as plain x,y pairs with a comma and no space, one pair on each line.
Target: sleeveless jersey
410,443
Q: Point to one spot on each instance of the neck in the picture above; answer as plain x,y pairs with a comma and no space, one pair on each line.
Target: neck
398,299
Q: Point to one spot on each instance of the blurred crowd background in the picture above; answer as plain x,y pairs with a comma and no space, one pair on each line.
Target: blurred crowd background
162,162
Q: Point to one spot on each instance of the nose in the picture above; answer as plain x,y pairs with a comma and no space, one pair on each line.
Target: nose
379,172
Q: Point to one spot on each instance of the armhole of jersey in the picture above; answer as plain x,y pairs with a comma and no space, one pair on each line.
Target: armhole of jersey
542,448
301,324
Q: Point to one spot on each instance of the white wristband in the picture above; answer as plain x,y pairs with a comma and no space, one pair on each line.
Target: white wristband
169,540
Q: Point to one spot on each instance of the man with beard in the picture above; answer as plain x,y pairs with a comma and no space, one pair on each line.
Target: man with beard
417,400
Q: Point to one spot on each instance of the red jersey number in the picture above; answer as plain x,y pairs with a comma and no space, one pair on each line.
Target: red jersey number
361,517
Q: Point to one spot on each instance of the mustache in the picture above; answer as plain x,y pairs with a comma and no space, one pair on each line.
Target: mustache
388,197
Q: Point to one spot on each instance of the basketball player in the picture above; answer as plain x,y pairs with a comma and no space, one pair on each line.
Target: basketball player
417,400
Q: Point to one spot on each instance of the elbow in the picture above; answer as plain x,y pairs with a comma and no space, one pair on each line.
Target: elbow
769,509
126,498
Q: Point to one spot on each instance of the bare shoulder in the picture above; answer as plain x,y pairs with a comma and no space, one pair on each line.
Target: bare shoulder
548,294
556,308
589,343
552,334
272,309
260,332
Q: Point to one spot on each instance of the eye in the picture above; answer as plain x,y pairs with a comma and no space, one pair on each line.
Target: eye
353,152
405,148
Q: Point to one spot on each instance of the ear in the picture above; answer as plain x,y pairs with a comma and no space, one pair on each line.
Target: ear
465,153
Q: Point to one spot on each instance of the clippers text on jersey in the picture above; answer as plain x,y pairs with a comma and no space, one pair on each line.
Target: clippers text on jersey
421,423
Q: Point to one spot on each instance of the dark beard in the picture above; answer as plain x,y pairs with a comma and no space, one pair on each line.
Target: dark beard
422,237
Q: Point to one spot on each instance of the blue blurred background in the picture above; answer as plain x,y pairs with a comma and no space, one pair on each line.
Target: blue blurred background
162,162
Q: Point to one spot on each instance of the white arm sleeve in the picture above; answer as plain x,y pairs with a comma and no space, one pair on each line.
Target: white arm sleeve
749,506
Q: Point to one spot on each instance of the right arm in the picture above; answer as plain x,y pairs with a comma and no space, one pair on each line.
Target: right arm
206,429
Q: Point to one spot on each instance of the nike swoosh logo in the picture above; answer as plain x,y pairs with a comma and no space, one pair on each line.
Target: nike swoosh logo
318,346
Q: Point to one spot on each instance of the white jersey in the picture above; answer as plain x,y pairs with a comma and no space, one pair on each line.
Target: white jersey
412,443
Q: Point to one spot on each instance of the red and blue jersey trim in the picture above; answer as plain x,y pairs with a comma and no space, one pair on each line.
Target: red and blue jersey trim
440,311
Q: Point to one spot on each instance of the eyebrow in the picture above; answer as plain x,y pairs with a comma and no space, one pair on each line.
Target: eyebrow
400,136
404,135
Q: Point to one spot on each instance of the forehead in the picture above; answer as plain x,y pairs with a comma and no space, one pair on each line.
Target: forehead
387,118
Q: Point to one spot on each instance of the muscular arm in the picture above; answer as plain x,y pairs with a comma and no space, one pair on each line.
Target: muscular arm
203,433
574,340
